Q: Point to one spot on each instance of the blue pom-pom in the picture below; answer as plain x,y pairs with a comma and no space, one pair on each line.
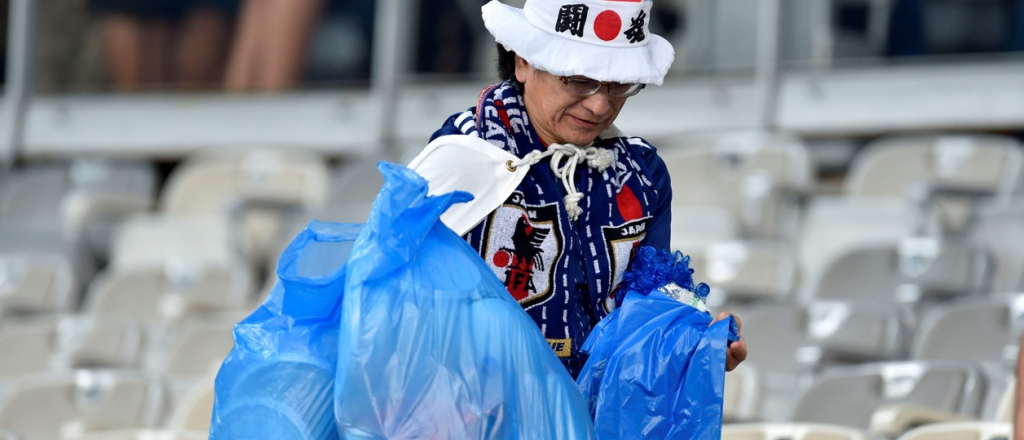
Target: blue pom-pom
652,268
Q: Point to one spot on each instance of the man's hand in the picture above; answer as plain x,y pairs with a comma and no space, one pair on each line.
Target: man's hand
737,350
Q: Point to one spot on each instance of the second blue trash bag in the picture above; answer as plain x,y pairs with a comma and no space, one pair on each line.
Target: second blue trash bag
431,345
278,381
657,365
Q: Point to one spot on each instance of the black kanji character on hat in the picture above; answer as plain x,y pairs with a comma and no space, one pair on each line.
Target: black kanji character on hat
572,18
635,33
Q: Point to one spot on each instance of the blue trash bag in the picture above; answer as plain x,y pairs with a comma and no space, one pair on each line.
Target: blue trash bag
656,366
431,345
278,381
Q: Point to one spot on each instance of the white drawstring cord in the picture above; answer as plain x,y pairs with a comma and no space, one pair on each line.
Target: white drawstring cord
597,158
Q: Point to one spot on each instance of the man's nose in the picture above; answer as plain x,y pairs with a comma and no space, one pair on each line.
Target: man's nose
599,103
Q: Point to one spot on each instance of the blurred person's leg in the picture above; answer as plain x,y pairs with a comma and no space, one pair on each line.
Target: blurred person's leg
137,37
158,41
292,25
202,48
241,69
123,45
271,44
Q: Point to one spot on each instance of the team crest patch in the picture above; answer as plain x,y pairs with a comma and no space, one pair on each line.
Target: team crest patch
622,242
521,245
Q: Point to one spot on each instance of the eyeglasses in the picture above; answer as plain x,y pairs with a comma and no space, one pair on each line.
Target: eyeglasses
586,87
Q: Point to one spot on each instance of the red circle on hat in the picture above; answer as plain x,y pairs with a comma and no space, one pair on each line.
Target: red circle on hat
607,25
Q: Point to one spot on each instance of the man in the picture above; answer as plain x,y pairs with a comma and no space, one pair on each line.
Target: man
564,238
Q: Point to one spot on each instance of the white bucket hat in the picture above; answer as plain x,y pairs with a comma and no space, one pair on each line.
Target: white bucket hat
605,40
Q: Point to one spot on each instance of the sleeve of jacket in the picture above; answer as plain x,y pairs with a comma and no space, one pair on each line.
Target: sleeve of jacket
459,123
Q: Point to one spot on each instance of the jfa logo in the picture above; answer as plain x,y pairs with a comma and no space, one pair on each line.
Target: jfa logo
521,245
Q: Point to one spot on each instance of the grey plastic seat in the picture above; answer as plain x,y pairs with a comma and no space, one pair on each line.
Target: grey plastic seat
888,167
81,200
901,166
788,343
164,267
833,226
245,193
357,181
168,292
62,405
39,271
985,329
750,175
888,398
149,434
105,341
961,431
1000,227
742,398
37,282
791,431
877,210
194,346
748,270
27,345
902,271
794,338
193,409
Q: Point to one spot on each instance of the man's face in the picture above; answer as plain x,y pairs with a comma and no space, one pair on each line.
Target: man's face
560,116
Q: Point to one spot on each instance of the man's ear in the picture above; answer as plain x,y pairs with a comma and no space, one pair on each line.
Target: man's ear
523,70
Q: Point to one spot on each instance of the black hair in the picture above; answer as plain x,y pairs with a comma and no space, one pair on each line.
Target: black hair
507,67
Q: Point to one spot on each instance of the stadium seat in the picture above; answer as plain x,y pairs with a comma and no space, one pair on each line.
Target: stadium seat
1006,407
742,399
37,282
889,398
890,166
52,406
194,346
694,229
754,176
789,342
904,167
145,435
106,341
194,409
168,292
152,240
795,338
791,431
999,226
748,270
81,200
26,345
164,267
984,329
249,190
833,226
355,181
961,431
903,271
